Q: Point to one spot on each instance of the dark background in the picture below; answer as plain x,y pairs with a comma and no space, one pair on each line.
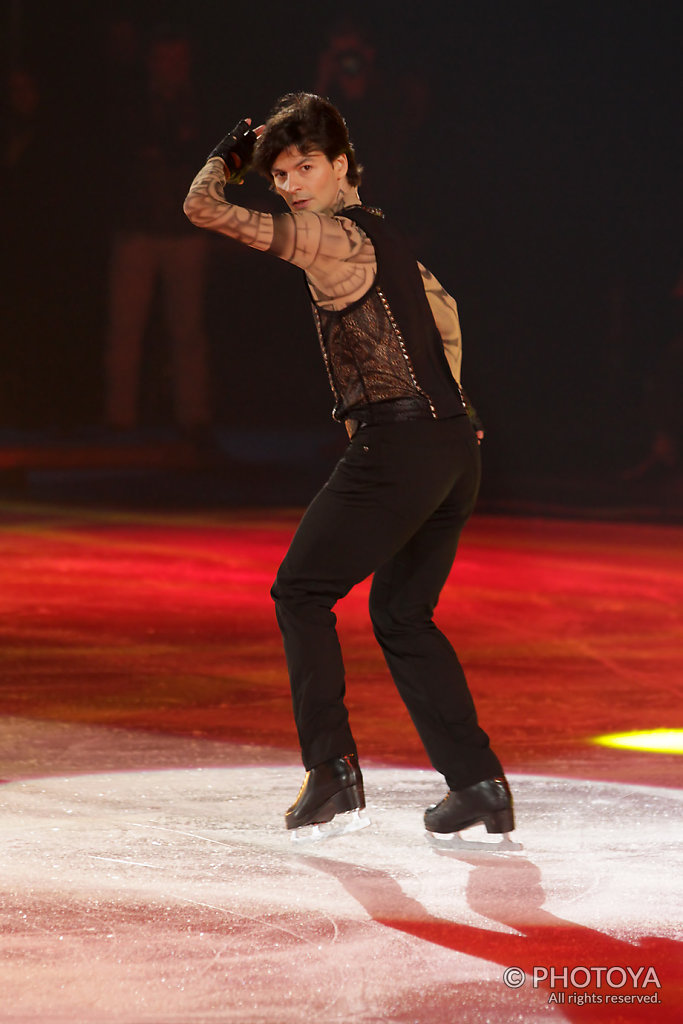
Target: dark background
547,180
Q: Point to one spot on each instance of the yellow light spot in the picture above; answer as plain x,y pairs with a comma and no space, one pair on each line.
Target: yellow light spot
660,741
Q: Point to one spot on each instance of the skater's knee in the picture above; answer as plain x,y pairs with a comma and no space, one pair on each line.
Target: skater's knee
384,617
282,591
300,595
392,617
379,615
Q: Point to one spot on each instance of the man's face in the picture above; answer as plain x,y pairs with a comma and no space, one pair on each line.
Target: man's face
308,181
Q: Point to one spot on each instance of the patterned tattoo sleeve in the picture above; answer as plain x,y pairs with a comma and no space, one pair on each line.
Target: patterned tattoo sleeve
207,207
339,260
445,312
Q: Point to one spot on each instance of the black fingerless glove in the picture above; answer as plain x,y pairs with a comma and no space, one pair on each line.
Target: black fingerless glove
236,150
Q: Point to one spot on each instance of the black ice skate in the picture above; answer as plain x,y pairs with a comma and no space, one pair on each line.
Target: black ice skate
487,803
331,801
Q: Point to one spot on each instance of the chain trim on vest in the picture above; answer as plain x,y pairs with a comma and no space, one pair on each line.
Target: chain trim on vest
326,358
404,351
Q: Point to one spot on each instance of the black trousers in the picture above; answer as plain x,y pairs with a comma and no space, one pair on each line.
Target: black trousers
394,506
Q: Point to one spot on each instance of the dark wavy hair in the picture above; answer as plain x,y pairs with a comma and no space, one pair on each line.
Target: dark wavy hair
308,122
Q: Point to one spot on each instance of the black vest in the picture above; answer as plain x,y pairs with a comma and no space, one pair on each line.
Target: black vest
384,352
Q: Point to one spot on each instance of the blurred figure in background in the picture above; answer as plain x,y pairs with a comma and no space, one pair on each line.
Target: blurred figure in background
34,267
153,140
125,82
663,412
382,108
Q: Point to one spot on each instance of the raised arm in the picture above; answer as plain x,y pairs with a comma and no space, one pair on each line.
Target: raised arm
206,206
337,257
301,238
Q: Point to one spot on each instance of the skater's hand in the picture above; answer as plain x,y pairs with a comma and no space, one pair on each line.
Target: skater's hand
236,150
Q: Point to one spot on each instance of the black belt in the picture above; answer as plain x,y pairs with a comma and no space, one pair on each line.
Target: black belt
394,411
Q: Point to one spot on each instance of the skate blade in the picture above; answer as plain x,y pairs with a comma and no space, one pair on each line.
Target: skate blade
453,842
341,824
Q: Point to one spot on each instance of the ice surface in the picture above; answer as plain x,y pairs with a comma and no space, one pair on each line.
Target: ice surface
175,894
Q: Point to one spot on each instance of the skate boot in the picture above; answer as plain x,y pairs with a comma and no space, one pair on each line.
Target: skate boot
488,803
333,788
